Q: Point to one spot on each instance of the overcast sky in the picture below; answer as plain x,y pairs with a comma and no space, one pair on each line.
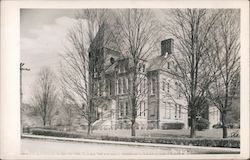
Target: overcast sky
43,34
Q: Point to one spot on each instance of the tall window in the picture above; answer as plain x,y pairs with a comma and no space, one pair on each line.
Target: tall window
140,109
153,86
179,111
110,87
141,86
121,109
168,87
119,86
100,88
95,89
152,109
95,73
179,90
175,111
143,68
145,85
124,86
163,85
165,110
169,111
120,67
144,109
126,108
128,82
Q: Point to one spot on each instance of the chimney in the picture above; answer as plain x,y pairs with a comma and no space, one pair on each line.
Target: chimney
167,46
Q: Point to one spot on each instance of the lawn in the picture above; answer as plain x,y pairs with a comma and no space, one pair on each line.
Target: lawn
184,133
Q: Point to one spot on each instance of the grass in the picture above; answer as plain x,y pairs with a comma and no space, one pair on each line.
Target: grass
184,133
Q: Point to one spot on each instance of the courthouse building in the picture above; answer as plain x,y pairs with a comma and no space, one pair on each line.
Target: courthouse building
161,106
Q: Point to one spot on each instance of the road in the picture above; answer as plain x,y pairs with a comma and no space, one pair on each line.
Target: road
54,147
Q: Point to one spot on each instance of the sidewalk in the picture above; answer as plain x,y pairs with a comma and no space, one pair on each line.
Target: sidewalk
213,149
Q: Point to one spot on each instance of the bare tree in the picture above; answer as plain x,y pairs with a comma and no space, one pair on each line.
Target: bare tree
137,30
45,95
75,77
226,59
191,28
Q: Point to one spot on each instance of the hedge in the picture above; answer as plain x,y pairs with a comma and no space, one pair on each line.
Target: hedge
176,125
230,143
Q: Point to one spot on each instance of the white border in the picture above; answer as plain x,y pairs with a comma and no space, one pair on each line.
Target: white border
10,59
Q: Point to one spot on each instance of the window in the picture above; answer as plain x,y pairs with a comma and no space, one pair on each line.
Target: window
163,85
175,111
126,108
152,108
153,86
129,83
165,110
180,111
110,87
105,107
145,85
122,67
100,88
168,86
179,90
95,89
119,86
176,90
169,111
140,109
143,68
141,87
144,109
121,109
95,73
124,86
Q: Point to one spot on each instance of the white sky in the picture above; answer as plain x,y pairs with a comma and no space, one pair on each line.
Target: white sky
43,33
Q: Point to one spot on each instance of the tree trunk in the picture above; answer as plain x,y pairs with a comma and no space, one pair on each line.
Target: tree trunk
89,129
193,126
44,121
224,127
133,128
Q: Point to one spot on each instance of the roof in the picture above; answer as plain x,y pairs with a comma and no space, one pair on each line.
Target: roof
157,63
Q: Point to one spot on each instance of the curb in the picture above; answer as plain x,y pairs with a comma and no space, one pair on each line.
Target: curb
217,149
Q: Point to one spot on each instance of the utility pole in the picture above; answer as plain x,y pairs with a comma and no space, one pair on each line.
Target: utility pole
21,93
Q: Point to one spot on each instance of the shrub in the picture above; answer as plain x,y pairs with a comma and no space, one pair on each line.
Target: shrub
176,125
232,143
202,124
179,141
55,133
